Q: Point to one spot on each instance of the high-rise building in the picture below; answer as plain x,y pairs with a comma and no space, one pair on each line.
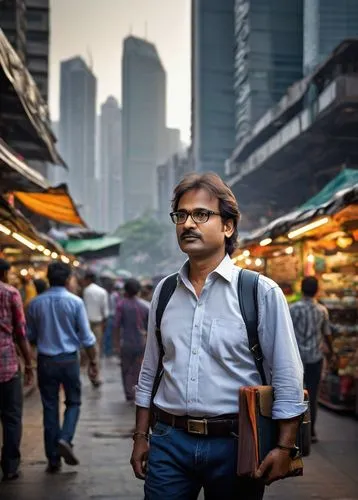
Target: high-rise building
37,42
13,24
110,175
173,142
77,131
26,24
326,24
143,125
269,57
213,99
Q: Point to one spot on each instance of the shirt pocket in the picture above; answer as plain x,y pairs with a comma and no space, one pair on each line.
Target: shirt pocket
228,339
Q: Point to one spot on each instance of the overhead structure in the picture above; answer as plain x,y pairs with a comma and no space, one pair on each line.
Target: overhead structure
337,199
55,204
23,110
16,174
107,246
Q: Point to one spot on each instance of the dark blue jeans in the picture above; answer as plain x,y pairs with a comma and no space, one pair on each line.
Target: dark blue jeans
107,347
11,420
54,371
180,464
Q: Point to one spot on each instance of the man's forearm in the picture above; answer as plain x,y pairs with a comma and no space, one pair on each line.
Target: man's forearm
25,350
288,432
142,419
92,353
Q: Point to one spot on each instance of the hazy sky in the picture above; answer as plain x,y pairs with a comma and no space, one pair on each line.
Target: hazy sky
98,27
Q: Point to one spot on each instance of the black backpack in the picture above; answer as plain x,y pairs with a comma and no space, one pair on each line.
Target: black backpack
247,295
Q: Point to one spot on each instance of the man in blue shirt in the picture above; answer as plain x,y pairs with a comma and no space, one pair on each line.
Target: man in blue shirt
57,323
207,359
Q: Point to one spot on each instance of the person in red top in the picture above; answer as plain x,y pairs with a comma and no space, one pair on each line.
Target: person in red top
12,333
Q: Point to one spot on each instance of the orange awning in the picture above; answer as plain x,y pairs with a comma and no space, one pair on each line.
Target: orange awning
55,204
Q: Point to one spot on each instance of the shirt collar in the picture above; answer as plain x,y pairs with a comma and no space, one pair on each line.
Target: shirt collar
224,269
309,299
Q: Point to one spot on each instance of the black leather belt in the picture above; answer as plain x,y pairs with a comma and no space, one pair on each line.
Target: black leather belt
225,425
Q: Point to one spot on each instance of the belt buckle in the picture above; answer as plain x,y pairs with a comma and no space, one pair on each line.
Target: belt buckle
197,426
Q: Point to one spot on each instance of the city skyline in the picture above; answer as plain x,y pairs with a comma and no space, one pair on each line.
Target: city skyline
167,27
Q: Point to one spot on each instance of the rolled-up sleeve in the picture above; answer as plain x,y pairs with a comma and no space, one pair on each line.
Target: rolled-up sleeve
281,353
84,332
150,360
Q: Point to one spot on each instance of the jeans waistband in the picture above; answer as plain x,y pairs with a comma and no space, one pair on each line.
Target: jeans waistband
65,356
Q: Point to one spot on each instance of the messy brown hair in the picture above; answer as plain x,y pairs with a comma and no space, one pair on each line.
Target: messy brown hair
212,183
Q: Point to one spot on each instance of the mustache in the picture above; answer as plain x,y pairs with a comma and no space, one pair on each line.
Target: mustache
193,234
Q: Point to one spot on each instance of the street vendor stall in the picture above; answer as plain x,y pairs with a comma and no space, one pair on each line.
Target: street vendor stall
23,245
321,239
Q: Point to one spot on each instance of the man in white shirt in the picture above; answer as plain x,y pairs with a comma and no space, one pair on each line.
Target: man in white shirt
207,359
97,305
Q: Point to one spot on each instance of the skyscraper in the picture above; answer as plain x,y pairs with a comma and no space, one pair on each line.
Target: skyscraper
26,24
13,24
173,142
326,24
110,175
77,131
37,42
269,56
213,98
143,132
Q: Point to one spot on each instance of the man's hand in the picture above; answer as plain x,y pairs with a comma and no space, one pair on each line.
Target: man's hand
274,467
93,371
140,457
28,376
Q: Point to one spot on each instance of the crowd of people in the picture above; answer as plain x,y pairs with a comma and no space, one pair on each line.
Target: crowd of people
63,330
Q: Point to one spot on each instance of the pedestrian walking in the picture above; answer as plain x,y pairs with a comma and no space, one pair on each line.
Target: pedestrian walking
108,333
40,286
97,304
131,324
58,325
313,334
12,335
207,359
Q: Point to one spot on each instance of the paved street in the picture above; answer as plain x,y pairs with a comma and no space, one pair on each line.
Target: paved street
103,445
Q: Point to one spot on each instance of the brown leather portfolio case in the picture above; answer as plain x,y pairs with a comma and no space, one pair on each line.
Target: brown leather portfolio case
258,432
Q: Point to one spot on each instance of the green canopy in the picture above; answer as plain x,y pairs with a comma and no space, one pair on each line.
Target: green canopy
346,179
76,247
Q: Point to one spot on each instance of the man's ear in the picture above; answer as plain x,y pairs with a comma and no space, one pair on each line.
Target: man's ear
229,228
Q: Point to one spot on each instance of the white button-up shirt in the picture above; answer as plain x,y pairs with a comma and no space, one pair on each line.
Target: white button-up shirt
96,300
207,357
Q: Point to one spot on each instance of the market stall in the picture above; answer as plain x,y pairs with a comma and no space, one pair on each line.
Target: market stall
321,239
24,247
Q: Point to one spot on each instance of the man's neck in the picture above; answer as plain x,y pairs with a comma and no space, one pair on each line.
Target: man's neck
199,269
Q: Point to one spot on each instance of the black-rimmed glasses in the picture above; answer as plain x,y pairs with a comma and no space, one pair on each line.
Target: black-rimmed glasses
199,216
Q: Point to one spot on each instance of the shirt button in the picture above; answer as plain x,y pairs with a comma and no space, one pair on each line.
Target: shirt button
193,379
196,326
195,351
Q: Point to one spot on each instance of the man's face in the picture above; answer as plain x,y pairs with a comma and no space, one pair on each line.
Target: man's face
206,238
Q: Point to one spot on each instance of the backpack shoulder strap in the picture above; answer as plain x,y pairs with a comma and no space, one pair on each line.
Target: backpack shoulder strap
167,290
247,286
